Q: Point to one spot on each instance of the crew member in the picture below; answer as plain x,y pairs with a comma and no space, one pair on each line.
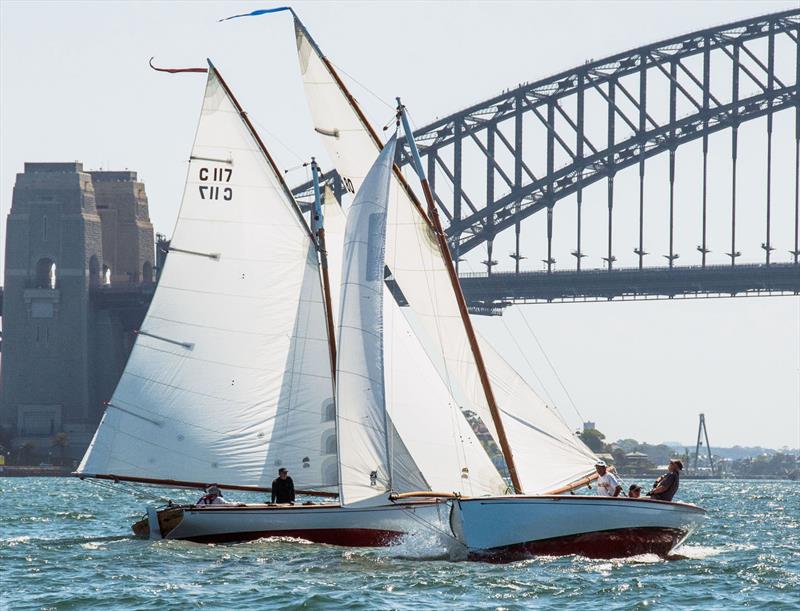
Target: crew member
283,488
213,496
667,485
607,483
635,491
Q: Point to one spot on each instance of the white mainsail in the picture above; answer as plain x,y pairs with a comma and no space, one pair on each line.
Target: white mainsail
230,376
420,271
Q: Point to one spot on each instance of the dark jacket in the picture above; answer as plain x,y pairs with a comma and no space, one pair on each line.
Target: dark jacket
671,481
283,490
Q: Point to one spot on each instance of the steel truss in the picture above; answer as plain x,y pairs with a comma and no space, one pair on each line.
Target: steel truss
703,99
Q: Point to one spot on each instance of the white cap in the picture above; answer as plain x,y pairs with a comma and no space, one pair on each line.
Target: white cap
600,463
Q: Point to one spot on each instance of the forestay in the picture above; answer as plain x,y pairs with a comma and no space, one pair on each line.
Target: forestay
229,377
420,272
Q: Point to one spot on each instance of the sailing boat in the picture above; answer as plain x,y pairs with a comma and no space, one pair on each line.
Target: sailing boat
542,457
232,374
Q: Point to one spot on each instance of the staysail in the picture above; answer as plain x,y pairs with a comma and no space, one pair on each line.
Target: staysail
421,274
230,375
373,459
446,449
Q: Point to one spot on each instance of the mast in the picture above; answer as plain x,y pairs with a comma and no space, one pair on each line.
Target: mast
318,225
435,224
435,221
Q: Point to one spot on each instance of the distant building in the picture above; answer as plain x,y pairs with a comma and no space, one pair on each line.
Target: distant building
588,426
69,232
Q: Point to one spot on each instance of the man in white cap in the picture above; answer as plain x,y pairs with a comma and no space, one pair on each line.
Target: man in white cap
213,496
607,482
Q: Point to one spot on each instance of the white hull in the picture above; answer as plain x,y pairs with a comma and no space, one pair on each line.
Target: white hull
513,526
326,523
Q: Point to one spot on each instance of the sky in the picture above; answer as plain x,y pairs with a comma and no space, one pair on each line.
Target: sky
75,85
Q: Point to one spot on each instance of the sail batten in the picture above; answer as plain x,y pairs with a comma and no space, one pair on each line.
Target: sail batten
255,390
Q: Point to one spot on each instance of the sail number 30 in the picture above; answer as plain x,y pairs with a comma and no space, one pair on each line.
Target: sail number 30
216,191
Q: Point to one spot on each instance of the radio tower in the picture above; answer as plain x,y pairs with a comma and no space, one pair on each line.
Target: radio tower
701,429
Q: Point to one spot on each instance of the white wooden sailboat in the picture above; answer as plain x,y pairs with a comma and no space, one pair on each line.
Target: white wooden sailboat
543,458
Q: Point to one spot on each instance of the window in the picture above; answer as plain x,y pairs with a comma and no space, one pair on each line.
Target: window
45,273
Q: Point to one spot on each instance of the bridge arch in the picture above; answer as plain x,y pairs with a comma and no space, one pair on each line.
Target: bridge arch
714,79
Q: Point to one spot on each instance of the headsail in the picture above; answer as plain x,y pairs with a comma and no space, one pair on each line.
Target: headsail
446,449
230,375
420,272
372,457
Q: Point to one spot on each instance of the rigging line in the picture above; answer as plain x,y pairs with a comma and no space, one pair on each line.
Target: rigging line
528,363
549,362
363,86
263,128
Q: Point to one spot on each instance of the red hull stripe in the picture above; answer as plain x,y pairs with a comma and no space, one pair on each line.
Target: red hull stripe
619,543
347,537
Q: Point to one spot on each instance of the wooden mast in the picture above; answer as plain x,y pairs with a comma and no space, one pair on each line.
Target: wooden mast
319,226
435,225
435,221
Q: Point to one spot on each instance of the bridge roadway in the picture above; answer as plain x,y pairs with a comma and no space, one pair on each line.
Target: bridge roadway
487,294
505,288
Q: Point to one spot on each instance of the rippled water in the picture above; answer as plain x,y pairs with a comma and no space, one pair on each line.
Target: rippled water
65,544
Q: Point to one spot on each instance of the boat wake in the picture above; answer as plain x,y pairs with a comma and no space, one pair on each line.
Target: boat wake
694,552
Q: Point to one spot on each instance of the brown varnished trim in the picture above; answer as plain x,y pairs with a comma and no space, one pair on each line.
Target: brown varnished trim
576,484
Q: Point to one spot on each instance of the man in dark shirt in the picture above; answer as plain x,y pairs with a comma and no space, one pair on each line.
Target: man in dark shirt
667,485
283,487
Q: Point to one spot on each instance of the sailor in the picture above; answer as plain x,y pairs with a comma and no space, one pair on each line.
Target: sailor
607,483
635,491
283,488
213,496
667,485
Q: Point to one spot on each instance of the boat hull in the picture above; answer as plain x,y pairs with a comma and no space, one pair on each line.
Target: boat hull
333,524
508,528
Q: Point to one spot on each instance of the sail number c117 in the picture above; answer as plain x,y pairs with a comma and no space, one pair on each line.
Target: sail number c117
216,175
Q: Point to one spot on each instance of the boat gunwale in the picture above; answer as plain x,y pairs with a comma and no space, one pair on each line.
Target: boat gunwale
587,498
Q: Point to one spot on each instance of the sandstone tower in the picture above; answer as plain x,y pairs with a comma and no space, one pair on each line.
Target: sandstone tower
70,233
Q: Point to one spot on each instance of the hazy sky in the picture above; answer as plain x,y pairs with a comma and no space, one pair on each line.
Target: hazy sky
75,85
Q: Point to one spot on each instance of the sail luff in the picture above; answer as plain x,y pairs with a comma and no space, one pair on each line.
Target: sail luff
277,172
433,216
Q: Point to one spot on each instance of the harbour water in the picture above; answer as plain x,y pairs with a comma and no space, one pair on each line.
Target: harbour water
66,544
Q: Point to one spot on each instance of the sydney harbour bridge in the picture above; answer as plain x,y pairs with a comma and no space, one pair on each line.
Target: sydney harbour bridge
545,143
516,163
